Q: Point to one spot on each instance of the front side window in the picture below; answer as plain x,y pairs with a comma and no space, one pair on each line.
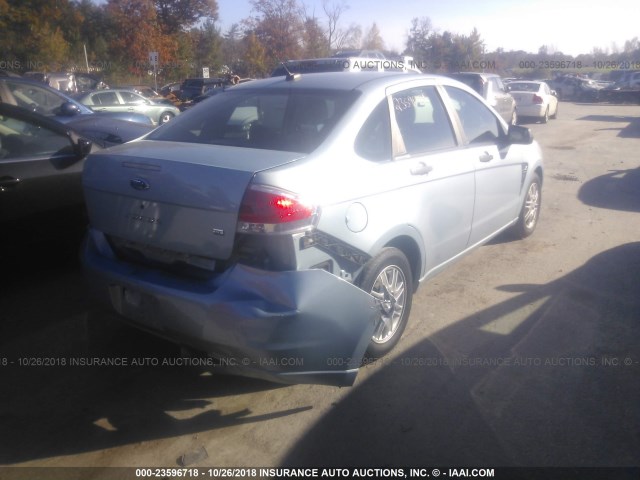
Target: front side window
105,98
480,125
277,120
422,120
33,97
20,139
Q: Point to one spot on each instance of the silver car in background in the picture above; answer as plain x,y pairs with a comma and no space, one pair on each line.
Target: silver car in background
284,225
123,100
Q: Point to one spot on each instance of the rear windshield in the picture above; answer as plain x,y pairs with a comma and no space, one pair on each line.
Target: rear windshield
278,120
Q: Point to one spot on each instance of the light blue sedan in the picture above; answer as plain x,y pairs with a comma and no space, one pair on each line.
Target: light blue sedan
283,226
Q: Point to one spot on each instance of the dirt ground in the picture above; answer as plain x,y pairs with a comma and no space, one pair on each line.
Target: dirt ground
525,353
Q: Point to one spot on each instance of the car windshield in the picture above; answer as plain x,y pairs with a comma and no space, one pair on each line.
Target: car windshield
524,87
277,120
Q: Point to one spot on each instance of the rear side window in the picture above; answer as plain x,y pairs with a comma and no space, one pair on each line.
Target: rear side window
287,121
374,140
130,97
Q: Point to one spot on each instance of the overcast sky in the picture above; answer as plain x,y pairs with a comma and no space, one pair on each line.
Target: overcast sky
569,26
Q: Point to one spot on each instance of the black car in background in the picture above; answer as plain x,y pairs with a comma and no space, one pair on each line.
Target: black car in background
195,87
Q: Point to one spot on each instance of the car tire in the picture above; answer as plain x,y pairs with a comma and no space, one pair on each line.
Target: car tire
545,117
388,278
530,211
165,117
514,117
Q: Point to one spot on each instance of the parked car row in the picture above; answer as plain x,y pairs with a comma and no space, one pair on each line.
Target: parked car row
233,218
68,82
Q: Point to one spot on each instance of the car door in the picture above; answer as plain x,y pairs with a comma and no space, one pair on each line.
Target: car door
420,171
498,171
550,99
39,170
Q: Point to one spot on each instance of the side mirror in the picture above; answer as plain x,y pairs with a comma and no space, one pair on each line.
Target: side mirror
519,135
554,93
69,109
82,147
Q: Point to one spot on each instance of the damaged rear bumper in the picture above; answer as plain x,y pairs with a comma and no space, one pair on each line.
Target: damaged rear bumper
305,326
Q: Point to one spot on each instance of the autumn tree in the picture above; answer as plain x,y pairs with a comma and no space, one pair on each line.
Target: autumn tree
418,39
277,26
255,64
208,45
233,49
333,12
314,41
34,33
135,31
349,38
445,51
177,15
373,39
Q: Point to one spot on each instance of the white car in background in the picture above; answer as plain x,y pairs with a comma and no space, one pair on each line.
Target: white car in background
534,99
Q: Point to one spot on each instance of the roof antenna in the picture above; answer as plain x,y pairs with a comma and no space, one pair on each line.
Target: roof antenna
290,76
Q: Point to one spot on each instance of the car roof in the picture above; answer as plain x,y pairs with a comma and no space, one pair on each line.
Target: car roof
336,80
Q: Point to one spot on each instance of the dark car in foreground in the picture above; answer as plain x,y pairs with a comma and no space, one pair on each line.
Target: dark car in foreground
41,160
283,226
37,97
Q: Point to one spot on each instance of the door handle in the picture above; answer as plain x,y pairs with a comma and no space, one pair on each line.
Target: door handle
486,157
421,169
8,182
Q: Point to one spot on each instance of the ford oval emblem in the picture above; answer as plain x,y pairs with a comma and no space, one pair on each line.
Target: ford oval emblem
140,184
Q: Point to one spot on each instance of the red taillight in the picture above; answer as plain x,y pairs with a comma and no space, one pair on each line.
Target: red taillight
265,209
537,99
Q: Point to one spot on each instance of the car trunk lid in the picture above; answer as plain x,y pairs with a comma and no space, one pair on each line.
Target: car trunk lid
173,197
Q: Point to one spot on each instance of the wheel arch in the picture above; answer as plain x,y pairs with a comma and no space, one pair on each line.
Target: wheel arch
538,171
409,247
